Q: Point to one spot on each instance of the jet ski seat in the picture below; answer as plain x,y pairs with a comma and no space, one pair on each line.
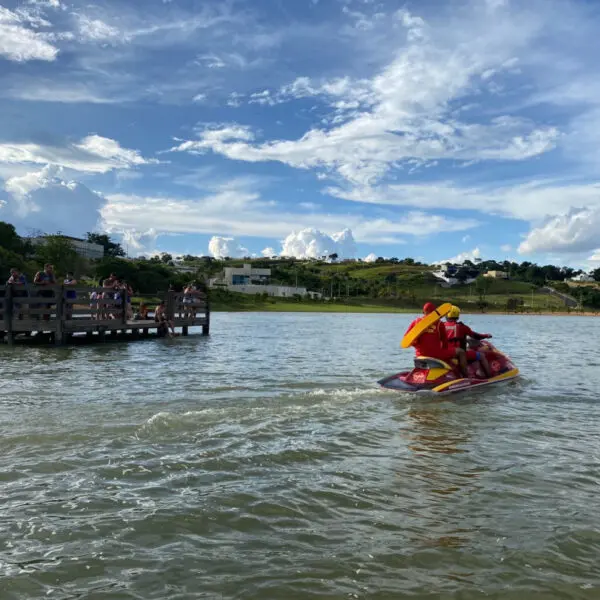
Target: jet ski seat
425,362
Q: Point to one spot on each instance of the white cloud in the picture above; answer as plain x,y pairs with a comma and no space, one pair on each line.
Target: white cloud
506,248
137,243
96,30
404,112
576,231
226,247
44,200
312,243
93,154
371,258
269,252
18,39
595,257
528,201
239,211
462,257
46,3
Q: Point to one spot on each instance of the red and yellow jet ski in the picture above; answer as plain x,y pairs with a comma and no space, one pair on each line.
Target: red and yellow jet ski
431,375
440,377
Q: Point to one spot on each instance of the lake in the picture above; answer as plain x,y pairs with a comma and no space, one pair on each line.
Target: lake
264,462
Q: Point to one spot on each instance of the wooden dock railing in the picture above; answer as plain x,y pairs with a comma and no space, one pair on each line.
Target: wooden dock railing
64,311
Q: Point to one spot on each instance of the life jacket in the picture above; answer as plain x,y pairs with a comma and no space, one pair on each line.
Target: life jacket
457,333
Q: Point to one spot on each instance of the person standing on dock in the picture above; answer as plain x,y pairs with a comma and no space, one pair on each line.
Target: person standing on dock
71,295
45,278
19,281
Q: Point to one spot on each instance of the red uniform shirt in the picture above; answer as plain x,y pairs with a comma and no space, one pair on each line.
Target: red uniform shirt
457,333
433,342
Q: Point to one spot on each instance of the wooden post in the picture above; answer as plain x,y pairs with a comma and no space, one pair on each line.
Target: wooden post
206,327
59,334
8,314
184,330
124,308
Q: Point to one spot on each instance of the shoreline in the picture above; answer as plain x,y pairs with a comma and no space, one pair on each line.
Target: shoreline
385,310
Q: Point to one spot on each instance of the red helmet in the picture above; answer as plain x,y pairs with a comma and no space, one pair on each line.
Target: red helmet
428,308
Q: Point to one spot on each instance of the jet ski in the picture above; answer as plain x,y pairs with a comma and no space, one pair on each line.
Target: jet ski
431,375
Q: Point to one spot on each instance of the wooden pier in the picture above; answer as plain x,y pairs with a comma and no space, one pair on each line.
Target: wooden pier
65,314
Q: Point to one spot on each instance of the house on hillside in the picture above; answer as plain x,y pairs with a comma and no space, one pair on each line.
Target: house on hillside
582,278
496,274
248,280
448,276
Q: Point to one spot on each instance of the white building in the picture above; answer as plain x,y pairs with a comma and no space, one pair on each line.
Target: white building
447,280
496,274
246,275
247,280
83,248
583,277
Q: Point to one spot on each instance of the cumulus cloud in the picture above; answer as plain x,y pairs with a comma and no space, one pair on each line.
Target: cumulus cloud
93,154
241,212
576,231
137,242
312,243
459,259
370,258
269,252
19,40
44,200
226,247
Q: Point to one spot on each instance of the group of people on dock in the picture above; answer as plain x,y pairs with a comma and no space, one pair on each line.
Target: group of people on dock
109,302
42,279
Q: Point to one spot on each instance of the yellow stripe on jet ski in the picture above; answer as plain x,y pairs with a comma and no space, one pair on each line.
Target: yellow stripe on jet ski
426,322
508,375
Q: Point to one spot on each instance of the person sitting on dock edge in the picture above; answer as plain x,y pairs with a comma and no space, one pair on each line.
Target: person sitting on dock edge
160,316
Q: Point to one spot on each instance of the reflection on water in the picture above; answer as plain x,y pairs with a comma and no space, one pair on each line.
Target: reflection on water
263,462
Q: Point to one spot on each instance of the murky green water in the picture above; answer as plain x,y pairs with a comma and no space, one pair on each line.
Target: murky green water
265,463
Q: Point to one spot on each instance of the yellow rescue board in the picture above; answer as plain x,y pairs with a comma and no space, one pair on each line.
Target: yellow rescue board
425,323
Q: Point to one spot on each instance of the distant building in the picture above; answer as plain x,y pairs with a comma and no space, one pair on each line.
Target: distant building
246,275
583,277
496,274
247,280
447,278
82,247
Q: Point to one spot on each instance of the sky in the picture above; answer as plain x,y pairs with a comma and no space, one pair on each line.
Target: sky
430,129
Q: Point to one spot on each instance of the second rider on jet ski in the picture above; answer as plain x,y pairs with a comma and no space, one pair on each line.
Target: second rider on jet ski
457,333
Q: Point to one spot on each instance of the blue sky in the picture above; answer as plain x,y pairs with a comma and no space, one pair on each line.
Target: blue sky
426,129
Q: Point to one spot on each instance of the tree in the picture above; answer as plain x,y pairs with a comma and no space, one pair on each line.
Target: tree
58,251
596,274
10,240
110,248
165,257
333,256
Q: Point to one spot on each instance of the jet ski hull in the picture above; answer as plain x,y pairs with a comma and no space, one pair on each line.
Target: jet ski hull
434,376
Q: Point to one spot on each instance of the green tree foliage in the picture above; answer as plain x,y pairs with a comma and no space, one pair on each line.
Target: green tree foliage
10,241
110,248
59,251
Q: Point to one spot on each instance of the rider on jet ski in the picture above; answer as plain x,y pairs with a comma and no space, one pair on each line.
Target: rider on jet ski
457,333
433,342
